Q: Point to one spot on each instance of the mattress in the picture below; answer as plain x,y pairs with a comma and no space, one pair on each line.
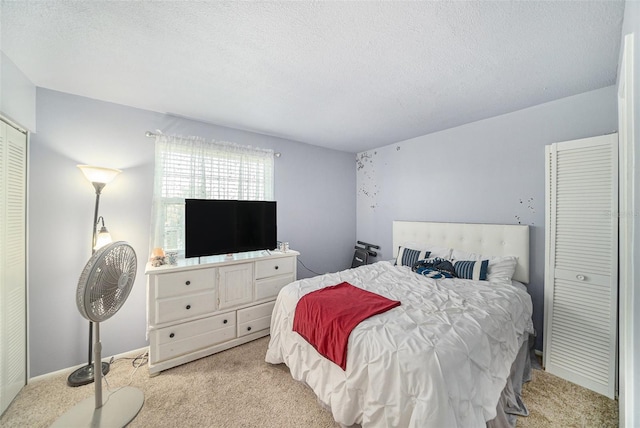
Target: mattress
441,358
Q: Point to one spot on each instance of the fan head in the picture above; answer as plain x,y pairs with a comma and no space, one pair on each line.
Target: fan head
106,281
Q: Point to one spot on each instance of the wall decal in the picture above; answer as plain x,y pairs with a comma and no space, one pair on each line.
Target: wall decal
361,159
366,177
527,206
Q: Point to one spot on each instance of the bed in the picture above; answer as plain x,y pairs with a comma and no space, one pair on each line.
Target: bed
453,354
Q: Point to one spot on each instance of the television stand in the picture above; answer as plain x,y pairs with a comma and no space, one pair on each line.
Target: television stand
195,310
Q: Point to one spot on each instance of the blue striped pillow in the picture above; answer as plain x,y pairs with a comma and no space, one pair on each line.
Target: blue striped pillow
468,269
409,257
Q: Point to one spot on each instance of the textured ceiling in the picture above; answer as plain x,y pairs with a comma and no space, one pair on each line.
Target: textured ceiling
345,75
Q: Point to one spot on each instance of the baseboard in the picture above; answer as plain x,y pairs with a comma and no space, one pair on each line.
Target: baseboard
70,370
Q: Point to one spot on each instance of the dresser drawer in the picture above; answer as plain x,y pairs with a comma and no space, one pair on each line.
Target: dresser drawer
255,318
177,283
271,267
270,287
184,338
183,307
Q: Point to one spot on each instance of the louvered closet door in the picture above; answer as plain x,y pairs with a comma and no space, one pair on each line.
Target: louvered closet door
13,333
581,262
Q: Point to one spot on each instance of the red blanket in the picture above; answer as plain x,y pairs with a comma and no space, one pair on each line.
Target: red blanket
326,317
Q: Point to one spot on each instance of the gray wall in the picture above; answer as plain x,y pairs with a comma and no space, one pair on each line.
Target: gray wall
17,95
491,171
314,187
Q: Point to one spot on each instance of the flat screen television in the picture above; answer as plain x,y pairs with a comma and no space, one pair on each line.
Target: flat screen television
214,226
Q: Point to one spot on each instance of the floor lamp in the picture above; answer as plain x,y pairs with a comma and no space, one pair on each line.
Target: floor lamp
99,177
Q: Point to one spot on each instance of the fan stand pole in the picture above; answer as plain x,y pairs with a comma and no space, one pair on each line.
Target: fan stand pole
97,351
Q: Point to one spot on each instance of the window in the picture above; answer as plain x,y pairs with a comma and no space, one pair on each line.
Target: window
194,168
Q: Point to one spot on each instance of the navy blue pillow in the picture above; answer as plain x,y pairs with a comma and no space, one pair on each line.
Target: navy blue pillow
434,268
433,273
408,256
468,269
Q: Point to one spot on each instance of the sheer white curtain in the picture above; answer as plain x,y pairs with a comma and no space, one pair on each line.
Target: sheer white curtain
190,167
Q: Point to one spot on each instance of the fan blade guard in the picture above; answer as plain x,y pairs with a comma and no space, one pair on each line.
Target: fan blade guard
106,281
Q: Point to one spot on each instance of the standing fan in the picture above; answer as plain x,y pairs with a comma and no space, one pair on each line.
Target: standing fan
103,287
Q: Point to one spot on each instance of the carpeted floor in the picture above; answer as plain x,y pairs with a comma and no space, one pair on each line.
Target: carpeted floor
555,402
236,388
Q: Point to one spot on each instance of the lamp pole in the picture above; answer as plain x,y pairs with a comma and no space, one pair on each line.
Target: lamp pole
99,177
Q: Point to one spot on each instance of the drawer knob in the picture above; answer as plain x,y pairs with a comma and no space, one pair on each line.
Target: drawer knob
225,321
188,283
188,307
171,335
276,267
248,328
581,277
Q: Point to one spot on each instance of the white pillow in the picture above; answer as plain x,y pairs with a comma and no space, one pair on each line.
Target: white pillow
464,255
440,252
501,268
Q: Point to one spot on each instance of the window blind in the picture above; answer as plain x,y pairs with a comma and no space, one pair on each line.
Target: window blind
194,168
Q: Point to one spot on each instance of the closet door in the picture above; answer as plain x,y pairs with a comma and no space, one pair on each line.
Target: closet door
580,329
13,332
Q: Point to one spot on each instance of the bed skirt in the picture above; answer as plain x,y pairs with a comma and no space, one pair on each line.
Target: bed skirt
510,405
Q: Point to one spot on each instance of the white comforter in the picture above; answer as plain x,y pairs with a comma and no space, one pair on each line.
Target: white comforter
441,359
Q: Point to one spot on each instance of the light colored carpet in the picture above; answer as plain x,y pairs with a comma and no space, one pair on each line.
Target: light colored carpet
236,388
555,402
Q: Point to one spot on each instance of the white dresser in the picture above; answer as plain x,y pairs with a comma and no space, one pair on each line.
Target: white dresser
201,307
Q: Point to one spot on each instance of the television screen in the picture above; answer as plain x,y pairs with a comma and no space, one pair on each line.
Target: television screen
226,226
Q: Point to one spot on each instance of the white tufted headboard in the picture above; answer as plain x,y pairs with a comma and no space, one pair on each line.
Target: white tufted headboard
485,239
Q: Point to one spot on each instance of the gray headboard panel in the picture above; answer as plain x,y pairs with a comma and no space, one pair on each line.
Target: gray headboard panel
485,239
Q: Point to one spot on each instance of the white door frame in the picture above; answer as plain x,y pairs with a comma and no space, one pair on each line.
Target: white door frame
626,238
12,383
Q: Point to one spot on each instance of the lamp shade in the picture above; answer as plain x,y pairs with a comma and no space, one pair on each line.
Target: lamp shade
103,238
97,174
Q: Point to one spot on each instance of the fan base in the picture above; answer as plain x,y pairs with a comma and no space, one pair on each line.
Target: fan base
118,409
84,375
